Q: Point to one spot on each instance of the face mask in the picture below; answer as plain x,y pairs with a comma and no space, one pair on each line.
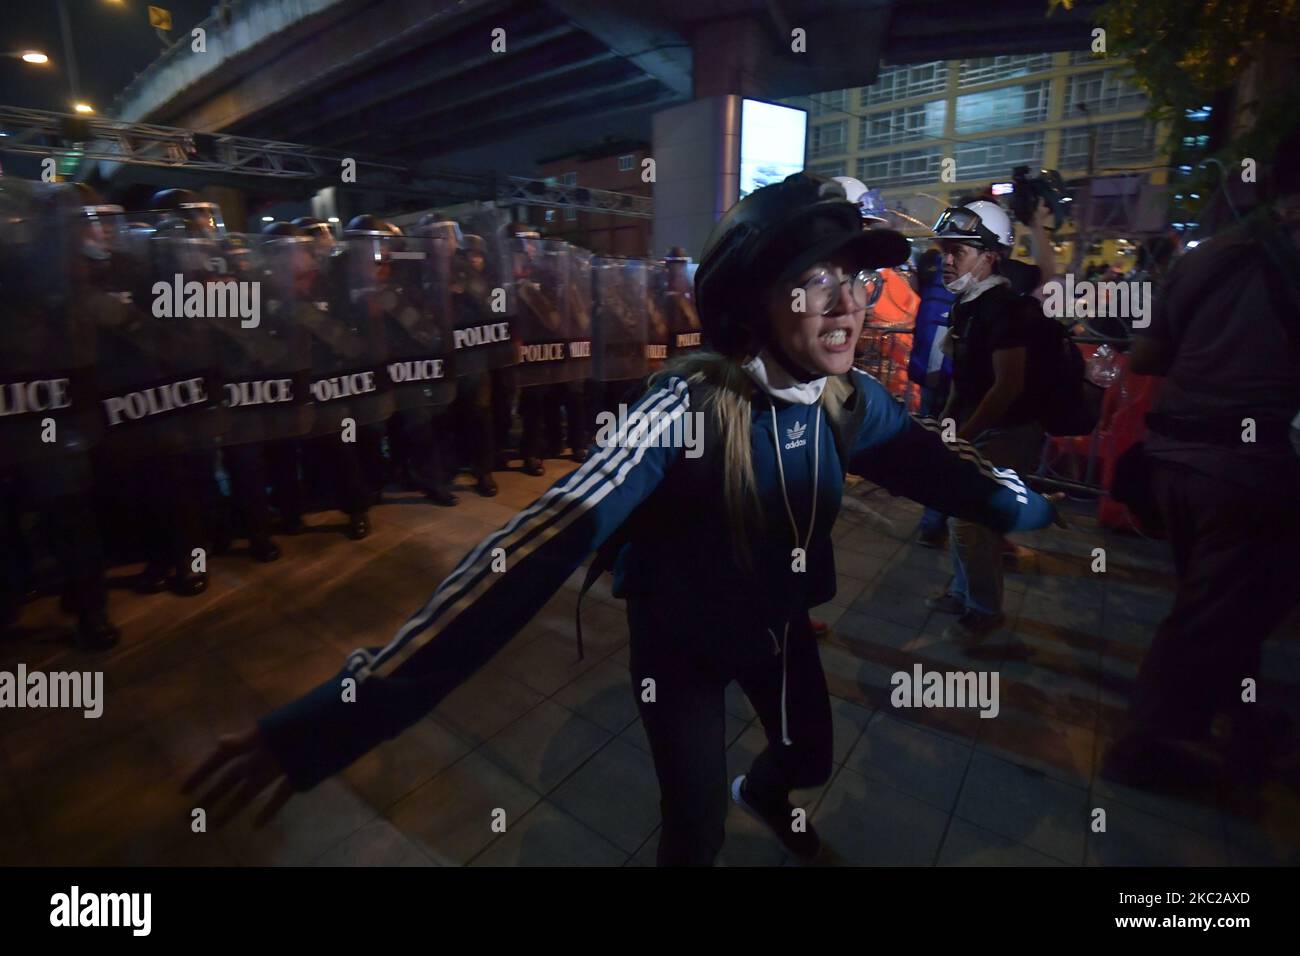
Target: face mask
960,284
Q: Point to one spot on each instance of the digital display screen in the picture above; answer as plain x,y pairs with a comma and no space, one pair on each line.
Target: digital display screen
771,143
1003,189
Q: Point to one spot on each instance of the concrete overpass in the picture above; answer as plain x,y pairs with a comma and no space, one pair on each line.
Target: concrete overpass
418,81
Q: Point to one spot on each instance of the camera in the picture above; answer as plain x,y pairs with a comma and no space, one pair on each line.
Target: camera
1027,189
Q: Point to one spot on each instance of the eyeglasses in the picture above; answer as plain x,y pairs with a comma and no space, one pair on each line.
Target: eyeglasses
822,291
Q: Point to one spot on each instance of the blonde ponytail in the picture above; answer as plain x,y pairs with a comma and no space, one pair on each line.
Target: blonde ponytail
728,401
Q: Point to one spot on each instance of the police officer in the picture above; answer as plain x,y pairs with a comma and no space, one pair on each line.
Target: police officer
57,488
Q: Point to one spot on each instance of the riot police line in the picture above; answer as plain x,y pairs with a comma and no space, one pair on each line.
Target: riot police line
168,386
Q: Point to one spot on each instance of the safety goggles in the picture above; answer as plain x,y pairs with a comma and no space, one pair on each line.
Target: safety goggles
958,222
822,291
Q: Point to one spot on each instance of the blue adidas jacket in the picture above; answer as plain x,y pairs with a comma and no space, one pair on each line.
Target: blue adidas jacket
678,550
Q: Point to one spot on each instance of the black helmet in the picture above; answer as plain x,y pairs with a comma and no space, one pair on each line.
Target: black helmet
471,243
174,198
315,228
773,234
370,225
437,225
191,206
282,229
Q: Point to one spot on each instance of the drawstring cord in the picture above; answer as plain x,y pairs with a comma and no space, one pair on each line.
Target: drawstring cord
794,528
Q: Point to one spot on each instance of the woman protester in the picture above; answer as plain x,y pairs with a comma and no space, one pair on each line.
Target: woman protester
719,555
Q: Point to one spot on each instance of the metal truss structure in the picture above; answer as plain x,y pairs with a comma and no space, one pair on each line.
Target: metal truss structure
103,139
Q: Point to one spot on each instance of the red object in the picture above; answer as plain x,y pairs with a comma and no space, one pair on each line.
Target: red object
1128,426
1122,424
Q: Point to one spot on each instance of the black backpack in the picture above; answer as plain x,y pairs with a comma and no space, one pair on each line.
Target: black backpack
1069,404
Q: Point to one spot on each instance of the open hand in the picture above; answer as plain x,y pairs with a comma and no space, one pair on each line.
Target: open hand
232,776
1055,499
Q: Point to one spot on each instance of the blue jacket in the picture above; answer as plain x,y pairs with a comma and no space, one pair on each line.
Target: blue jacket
931,315
678,550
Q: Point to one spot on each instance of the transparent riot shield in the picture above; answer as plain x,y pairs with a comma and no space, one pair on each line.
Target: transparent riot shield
619,319
264,357
483,292
157,381
400,282
52,255
684,332
581,308
544,317
657,336
346,325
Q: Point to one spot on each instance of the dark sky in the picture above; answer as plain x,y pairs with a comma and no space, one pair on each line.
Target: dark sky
113,41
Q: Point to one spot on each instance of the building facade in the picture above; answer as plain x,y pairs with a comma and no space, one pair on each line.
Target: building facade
614,166
926,134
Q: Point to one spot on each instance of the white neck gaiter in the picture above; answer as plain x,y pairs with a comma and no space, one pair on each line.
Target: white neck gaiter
976,289
772,378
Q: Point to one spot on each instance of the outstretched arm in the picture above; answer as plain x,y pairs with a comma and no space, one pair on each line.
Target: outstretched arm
908,457
494,591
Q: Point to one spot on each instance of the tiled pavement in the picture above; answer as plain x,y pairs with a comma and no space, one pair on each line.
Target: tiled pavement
556,743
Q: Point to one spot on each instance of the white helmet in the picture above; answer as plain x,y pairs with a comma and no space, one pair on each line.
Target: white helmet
856,191
982,221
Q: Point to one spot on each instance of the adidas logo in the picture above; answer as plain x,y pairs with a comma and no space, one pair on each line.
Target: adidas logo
795,433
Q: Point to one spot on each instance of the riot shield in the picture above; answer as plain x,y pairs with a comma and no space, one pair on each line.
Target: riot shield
157,381
264,359
684,332
619,318
51,254
348,349
400,282
483,292
657,336
550,351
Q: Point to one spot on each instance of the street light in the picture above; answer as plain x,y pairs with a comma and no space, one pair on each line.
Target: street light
84,108
35,56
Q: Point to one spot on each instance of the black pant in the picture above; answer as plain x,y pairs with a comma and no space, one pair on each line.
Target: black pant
502,384
171,493
686,726
1234,552
416,447
348,466
247,466
66,519
471,413
541,407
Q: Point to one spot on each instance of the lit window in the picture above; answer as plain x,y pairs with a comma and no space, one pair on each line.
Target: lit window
907,124
1104,91
828,103
625,162
989,69
901,169
1022,105
829,138
1119,143
904,82
827,169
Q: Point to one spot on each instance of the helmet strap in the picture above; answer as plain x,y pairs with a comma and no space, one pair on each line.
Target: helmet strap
796,371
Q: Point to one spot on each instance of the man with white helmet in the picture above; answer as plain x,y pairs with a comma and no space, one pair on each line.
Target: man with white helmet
992,337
